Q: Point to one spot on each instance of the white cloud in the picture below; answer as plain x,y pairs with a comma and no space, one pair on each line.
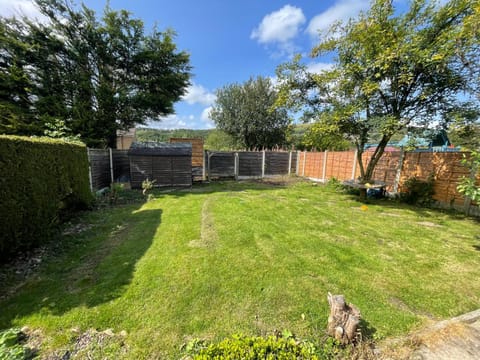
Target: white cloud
17,8
197,94
318,67
279,26
205,117
341,11
168,122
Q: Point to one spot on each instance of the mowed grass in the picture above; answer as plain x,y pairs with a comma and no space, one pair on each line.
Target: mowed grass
248,258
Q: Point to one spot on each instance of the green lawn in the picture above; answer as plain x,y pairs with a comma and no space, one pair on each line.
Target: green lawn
247,258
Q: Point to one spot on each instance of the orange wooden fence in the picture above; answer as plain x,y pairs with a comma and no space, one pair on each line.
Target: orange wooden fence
394,168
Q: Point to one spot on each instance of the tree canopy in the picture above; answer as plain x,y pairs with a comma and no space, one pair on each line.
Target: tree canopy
245,112
96,75
390,72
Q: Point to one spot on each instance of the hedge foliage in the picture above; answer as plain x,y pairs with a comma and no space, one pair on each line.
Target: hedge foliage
40,179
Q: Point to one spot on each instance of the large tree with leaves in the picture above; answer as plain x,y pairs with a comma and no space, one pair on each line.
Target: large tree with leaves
245,112
95,74
391,72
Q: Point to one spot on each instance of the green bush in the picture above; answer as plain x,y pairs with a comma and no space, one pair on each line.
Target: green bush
41,180
417,191
253,348
11,347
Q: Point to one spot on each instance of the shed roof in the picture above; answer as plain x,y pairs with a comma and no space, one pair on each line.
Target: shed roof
153,148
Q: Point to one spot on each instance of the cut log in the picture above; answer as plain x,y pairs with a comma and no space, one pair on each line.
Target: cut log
343,320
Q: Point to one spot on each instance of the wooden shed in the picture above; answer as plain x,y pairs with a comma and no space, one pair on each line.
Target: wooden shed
169,164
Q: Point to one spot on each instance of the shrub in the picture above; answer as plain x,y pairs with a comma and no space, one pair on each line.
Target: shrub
41,180
252,348
417,191
11,347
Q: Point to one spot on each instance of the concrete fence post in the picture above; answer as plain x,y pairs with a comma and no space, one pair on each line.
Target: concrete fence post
297,164
289,162
236,165
112,178
263,164
398,174
90,177
354,164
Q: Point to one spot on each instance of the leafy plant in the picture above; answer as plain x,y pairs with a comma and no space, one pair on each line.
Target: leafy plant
11,347
115,190
418,192
283,346
147,185
467,186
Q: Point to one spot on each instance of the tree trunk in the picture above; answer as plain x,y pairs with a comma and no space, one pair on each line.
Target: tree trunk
343,320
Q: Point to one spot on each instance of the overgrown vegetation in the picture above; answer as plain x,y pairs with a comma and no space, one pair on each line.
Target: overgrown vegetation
42,180
281,346
469,186
243,257
11,347
418,192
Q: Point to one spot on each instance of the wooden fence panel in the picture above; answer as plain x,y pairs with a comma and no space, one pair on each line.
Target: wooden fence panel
293,164
220,164
121,165
340,164
313,164
276,163
250,163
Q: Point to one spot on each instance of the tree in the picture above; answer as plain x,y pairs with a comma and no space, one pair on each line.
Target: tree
96,75
220,140
391,72
245,112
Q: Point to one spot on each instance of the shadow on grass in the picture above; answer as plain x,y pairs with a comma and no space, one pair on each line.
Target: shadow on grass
367,330
230,185
421,211
90,268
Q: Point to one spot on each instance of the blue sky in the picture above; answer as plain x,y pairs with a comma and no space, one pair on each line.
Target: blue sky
228,41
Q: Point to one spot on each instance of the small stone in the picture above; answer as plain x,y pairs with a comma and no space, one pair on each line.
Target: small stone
123,333
25,329
109,332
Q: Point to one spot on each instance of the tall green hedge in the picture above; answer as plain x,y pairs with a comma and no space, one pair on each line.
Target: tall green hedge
39,179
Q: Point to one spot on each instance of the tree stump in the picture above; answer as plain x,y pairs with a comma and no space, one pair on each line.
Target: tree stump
343,320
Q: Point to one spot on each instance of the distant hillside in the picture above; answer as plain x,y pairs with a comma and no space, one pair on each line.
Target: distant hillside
165,135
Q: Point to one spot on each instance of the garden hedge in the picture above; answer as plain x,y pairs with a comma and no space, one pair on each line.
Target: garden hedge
40,179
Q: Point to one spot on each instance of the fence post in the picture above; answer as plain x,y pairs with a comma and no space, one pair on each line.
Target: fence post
324,173
304,162
236,165
354,164
297,164
111,165
399,170
289,162
263,164
204,175
90,178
